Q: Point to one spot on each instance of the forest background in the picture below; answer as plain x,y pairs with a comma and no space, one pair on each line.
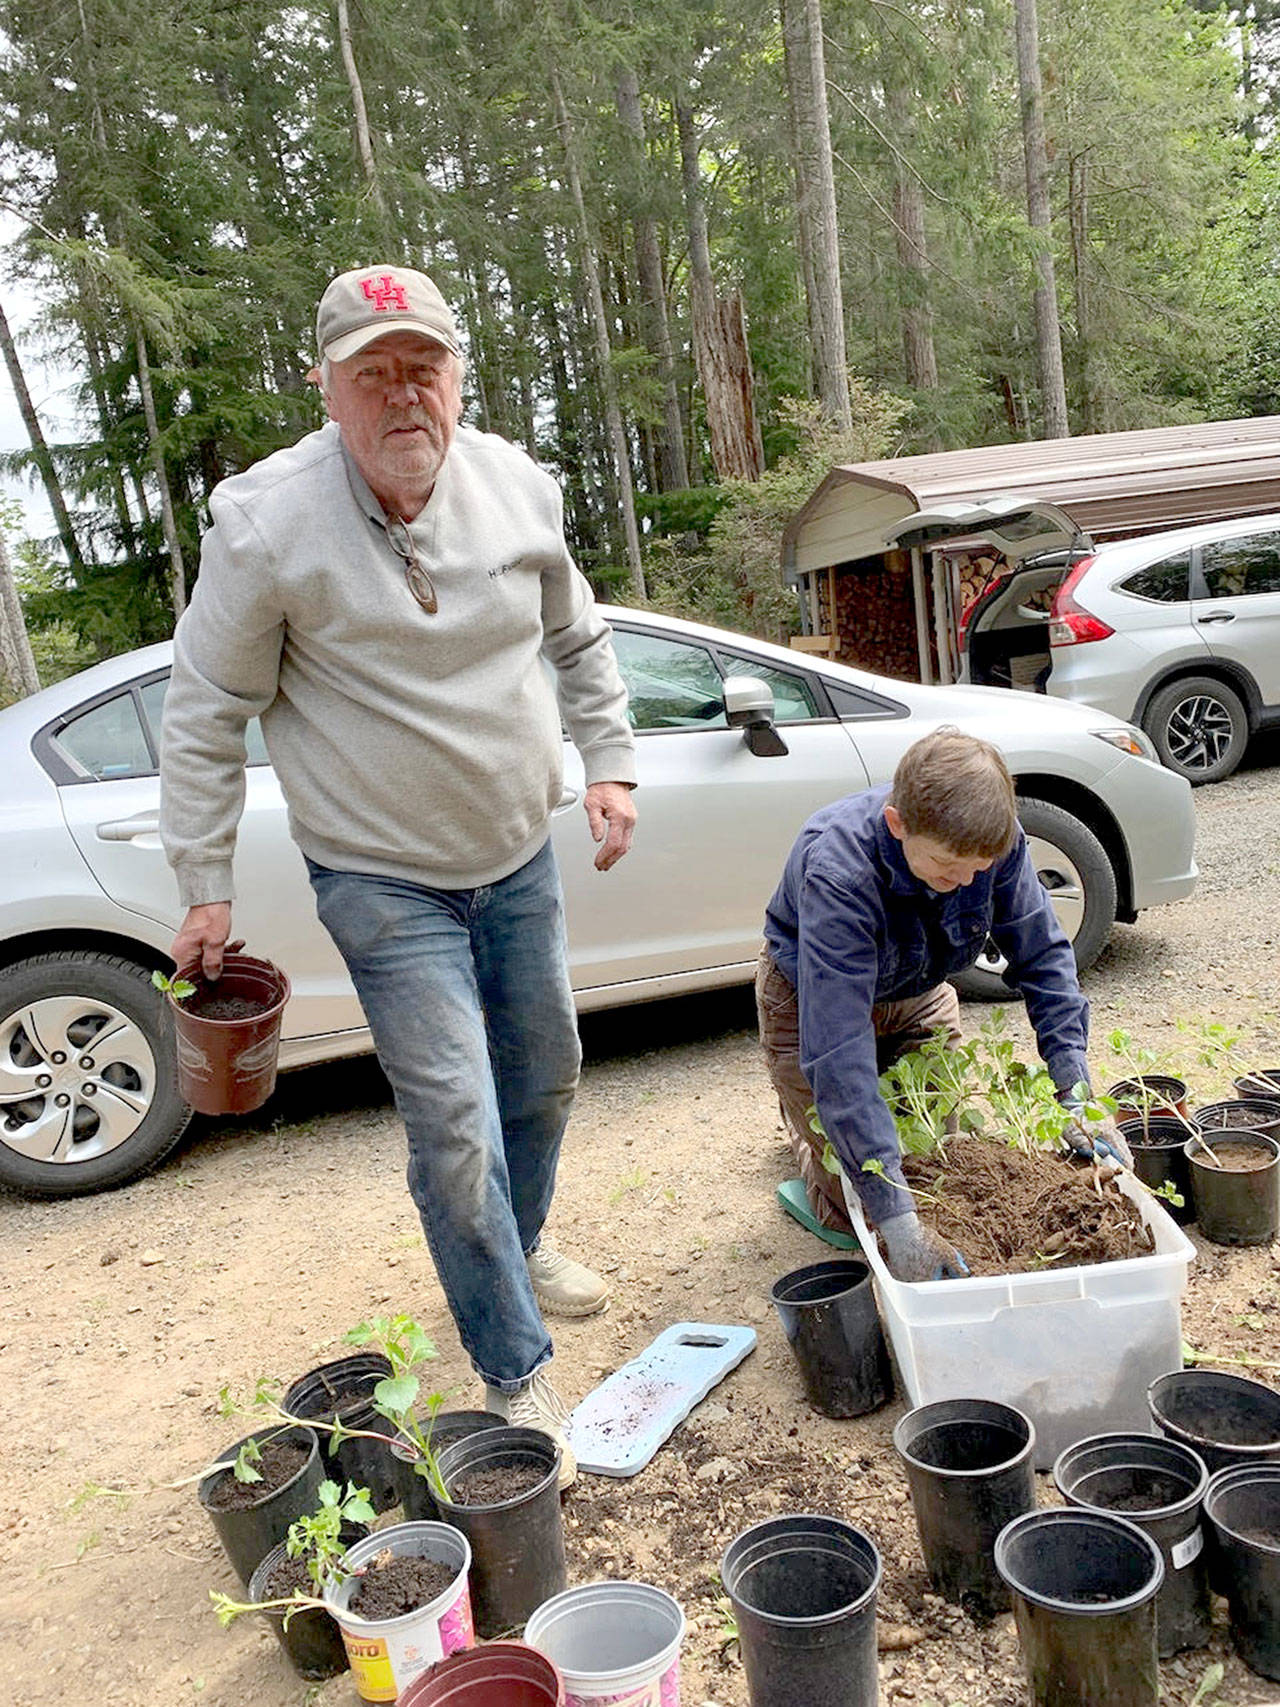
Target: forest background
700,251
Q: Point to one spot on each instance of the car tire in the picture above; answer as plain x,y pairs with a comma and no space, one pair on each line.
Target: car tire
1072,863
133,1115
1200,728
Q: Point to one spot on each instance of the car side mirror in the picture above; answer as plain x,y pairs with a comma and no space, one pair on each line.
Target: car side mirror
748,705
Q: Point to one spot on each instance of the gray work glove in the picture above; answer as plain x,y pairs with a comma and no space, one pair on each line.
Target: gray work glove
1096,1140
916,1252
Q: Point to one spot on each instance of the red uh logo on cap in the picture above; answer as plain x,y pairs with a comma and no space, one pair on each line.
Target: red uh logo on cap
384,293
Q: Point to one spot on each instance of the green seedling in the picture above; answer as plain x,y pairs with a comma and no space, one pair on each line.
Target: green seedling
874,1166
399,1395
315,1539
178,988
1210,1682
1191,1357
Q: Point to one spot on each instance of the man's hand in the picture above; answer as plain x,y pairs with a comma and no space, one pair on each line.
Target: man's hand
202,936
611,814
916,1252
1096,1140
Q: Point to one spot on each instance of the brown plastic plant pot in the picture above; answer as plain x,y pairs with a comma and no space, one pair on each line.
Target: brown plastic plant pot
228,1066
1149,1094
496,1674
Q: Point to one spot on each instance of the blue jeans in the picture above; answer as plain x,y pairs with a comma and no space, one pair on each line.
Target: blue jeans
467,995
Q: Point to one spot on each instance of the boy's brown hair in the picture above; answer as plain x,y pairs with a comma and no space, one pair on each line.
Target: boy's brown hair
956,790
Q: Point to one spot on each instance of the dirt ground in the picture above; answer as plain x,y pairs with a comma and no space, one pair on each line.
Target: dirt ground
263,1240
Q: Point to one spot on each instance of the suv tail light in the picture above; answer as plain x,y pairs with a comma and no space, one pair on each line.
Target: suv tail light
1070,624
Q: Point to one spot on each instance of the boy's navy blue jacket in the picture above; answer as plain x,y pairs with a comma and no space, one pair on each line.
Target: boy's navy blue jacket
850,926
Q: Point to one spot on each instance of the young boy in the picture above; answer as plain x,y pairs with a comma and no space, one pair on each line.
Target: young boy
885,894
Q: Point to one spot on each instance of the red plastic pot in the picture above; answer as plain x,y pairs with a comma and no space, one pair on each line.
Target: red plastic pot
228,1066
496,1674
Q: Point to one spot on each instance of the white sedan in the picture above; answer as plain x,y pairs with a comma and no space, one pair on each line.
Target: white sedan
738,742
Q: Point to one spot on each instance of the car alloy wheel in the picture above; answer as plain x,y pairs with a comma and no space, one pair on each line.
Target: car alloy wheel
88,1093
1200,728
76,1078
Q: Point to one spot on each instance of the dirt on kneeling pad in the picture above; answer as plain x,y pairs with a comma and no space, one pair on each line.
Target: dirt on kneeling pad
1008,1212
394,1584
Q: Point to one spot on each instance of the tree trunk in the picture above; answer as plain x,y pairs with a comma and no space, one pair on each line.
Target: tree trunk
595,300
795,59
40,448
802,23
673,471
1048,331
177,574
727,385
913,254
1079,200
360,114
16,658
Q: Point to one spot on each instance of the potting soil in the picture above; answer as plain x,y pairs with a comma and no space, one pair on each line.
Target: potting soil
280,1462
288,1577
206,1005
495,1484
1234,1157
393,1584
1008,1212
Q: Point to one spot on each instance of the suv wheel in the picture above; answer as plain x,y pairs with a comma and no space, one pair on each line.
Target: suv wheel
88,1074
1200,728
1073,866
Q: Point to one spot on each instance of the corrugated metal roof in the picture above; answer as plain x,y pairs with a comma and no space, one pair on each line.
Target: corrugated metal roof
1111,484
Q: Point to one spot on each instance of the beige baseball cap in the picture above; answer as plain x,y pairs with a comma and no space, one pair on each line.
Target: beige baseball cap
362,305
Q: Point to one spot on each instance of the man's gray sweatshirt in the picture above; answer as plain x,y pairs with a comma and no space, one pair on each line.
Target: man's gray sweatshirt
409,745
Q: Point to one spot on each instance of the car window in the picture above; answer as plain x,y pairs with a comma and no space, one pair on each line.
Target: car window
793,697
1165,582
670,684
153,695
1234,566
108,740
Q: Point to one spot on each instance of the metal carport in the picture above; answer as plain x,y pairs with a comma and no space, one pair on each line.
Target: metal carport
1110,483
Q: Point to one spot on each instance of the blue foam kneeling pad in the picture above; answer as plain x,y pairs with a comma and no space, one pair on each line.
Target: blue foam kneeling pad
620,1424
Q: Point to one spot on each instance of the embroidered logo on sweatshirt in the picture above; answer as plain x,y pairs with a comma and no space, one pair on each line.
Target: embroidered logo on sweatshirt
504,568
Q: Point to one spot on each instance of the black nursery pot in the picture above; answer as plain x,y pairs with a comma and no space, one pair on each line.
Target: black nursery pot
248,1533
1237,1205
311,1640
449,1426
1158,1144
803,1590
828,1313
1261,1082
1084,1597
1242,1509
1226,1419
517,1545
342,1391
1159,1485
969,1467
1236,1116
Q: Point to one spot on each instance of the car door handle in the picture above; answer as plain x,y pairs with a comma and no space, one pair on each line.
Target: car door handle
569,798
129,829
1217,616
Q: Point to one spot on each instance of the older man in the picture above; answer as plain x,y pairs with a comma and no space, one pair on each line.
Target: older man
384,595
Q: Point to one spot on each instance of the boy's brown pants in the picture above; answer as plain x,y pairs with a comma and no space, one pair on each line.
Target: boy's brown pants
899,1027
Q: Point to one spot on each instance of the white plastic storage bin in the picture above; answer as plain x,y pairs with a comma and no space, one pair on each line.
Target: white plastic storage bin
1075,1348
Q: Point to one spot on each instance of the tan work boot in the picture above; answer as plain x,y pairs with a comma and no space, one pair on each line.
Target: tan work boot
562,1286
539,1406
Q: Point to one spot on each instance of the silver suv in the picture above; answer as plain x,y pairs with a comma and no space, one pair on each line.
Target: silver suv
1178,632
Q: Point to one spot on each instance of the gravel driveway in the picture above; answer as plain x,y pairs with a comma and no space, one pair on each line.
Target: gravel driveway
263,1240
